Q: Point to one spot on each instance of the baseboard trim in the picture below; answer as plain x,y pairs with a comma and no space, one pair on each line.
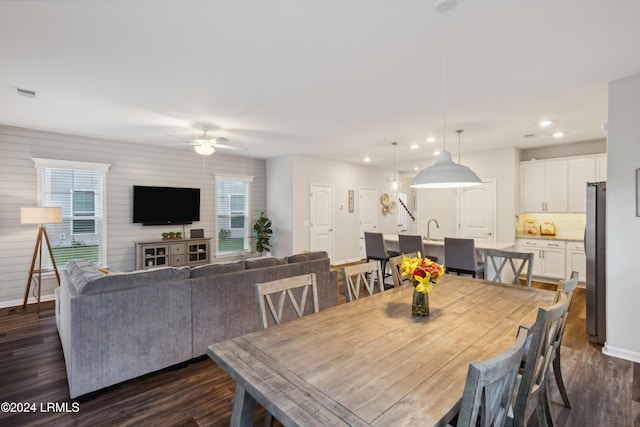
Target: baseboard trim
621,353
32,300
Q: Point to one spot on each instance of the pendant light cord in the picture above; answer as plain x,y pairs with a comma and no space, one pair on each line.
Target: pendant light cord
444,83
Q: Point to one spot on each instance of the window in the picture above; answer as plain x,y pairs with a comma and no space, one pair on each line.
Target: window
84,204
78,188
233,213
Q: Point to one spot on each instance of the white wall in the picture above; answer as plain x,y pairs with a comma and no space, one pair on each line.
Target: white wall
303,171
501,165
279,202
130,164
623,226
565,150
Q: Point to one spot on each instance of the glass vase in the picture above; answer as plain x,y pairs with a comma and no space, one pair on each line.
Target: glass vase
420,306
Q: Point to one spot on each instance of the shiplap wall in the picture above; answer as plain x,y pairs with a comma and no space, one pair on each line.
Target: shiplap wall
131,164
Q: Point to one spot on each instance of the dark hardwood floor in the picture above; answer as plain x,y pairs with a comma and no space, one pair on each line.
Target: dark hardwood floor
604,391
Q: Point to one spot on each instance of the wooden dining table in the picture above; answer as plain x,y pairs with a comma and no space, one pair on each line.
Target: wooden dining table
370,362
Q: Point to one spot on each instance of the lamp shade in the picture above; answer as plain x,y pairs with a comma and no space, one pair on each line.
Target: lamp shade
44,215
444,173
204,149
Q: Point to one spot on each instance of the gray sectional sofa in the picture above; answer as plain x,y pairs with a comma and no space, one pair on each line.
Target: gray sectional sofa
118,326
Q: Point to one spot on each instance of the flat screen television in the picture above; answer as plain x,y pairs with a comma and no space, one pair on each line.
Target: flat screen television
165,205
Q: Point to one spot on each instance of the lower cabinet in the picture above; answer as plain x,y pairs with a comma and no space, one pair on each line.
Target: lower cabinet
549,257
576,260
176,253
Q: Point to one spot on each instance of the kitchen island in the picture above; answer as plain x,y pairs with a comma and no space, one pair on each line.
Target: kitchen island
435,247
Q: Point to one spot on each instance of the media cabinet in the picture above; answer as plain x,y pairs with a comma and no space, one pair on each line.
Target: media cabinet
173,253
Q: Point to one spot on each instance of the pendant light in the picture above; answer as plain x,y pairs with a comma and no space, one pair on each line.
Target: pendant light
445,173
394,184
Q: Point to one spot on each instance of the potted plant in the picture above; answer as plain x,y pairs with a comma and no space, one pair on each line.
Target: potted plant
172,234
262,232
178,234
165,235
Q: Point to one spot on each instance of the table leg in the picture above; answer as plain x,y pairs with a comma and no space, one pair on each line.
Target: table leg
244,408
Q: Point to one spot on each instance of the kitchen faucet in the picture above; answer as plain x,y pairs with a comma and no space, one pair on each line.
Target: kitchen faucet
429,227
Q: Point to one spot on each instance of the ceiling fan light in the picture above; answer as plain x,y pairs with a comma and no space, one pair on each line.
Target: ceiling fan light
204,149
444,173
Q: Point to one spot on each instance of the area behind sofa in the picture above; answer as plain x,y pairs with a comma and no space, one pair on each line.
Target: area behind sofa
119,326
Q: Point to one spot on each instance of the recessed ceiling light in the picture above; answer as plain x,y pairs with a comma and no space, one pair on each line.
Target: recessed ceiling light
436,152
558,134
431,139
414,146
367,159
545,123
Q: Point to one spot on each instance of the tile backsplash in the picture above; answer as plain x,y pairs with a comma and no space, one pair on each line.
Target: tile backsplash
568,225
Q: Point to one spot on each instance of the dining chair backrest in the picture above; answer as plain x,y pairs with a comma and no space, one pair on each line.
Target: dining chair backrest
498,259
395,263
489,388
374,246
294,289
460,256
408,243
531,395
366,275
566,287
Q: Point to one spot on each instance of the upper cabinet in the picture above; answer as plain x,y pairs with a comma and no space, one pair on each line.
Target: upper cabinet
544,186
581,171
559,185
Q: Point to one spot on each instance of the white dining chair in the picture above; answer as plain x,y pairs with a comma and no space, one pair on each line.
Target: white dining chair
518,261
531,395
488,391
367,276
395,263
284,290
567,287
293,289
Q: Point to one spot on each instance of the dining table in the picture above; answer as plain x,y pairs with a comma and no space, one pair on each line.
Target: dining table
369,362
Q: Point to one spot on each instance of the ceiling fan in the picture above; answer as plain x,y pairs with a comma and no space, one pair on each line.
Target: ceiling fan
206,145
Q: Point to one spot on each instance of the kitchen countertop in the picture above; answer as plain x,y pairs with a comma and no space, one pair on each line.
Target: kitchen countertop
393,240
543,237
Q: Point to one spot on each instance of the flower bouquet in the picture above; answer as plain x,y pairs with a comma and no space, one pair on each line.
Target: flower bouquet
422,273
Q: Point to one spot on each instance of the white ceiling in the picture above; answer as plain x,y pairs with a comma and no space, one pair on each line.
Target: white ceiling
335,79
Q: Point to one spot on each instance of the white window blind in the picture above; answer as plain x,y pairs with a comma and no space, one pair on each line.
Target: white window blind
233,214
81,194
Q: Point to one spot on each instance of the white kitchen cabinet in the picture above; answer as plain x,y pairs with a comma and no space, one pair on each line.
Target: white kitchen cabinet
549,257
576,260
581,171
544,186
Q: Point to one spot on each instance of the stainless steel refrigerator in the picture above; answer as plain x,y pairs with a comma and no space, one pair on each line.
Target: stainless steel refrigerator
595,248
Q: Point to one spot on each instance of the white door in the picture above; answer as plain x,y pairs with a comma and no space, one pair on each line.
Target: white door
321,218
477,212
368,212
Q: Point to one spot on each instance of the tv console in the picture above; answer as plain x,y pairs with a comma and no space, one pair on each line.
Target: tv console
173,253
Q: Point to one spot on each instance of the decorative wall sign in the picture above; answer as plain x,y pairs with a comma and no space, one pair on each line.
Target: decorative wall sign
637,192
350,200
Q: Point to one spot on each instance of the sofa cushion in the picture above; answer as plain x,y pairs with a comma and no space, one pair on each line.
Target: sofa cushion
219,268
87,279
263,262
307,256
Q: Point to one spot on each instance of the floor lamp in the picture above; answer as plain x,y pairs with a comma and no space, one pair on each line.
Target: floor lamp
40,216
